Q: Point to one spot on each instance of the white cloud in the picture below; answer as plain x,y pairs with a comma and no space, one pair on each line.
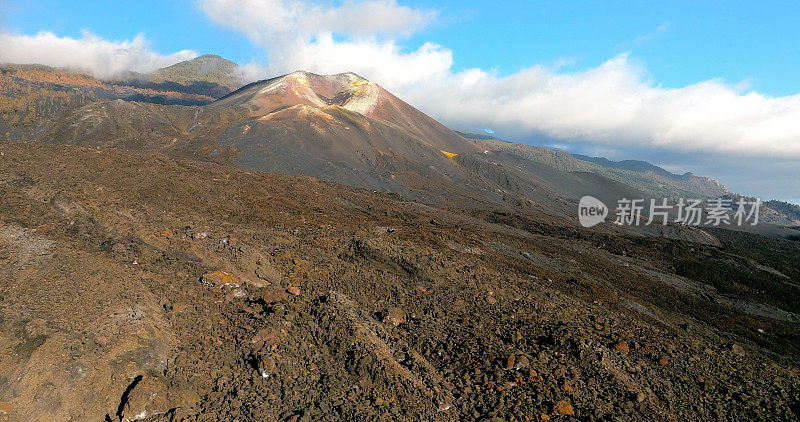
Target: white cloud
269,21
91,53
358,35
613,104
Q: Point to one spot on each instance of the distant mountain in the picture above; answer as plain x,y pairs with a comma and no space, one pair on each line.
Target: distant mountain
31,95
208,68
639,174
790,210
642,175
632,165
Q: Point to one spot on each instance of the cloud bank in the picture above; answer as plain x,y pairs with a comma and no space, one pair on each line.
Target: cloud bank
90,53
614,104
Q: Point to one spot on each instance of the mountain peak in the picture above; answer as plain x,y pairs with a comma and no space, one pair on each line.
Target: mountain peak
209,68
347,90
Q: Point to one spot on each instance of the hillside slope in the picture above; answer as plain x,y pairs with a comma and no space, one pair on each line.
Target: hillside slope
639,174
136,285
207,68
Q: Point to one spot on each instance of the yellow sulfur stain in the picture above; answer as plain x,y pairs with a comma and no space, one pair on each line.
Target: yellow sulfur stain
449,154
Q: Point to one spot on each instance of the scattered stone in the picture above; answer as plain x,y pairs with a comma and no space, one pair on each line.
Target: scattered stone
44,228
167,233
182,414
522,362
563,408
273,295
267,335
622,347
238,293
395,316
567,387
148,397
510,361
267,272
544,417
640,396
737,350
267,366
179,307
293,290
663,360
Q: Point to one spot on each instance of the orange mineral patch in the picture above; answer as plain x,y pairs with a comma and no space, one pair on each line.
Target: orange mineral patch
220,279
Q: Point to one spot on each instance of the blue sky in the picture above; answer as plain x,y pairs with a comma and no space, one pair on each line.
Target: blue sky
709,87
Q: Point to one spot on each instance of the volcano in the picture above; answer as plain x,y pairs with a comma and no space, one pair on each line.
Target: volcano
346,129
344,92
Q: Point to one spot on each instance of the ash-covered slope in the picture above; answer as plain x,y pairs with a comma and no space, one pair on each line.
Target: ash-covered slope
346,129
350,92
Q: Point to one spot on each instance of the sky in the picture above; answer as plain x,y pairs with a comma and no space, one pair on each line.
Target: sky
709,87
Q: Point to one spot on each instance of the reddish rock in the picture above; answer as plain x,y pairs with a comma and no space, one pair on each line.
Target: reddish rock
44,228
267,335
179,307
622,347
563,408
395,316
510,361
274,295
6,408
295,291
